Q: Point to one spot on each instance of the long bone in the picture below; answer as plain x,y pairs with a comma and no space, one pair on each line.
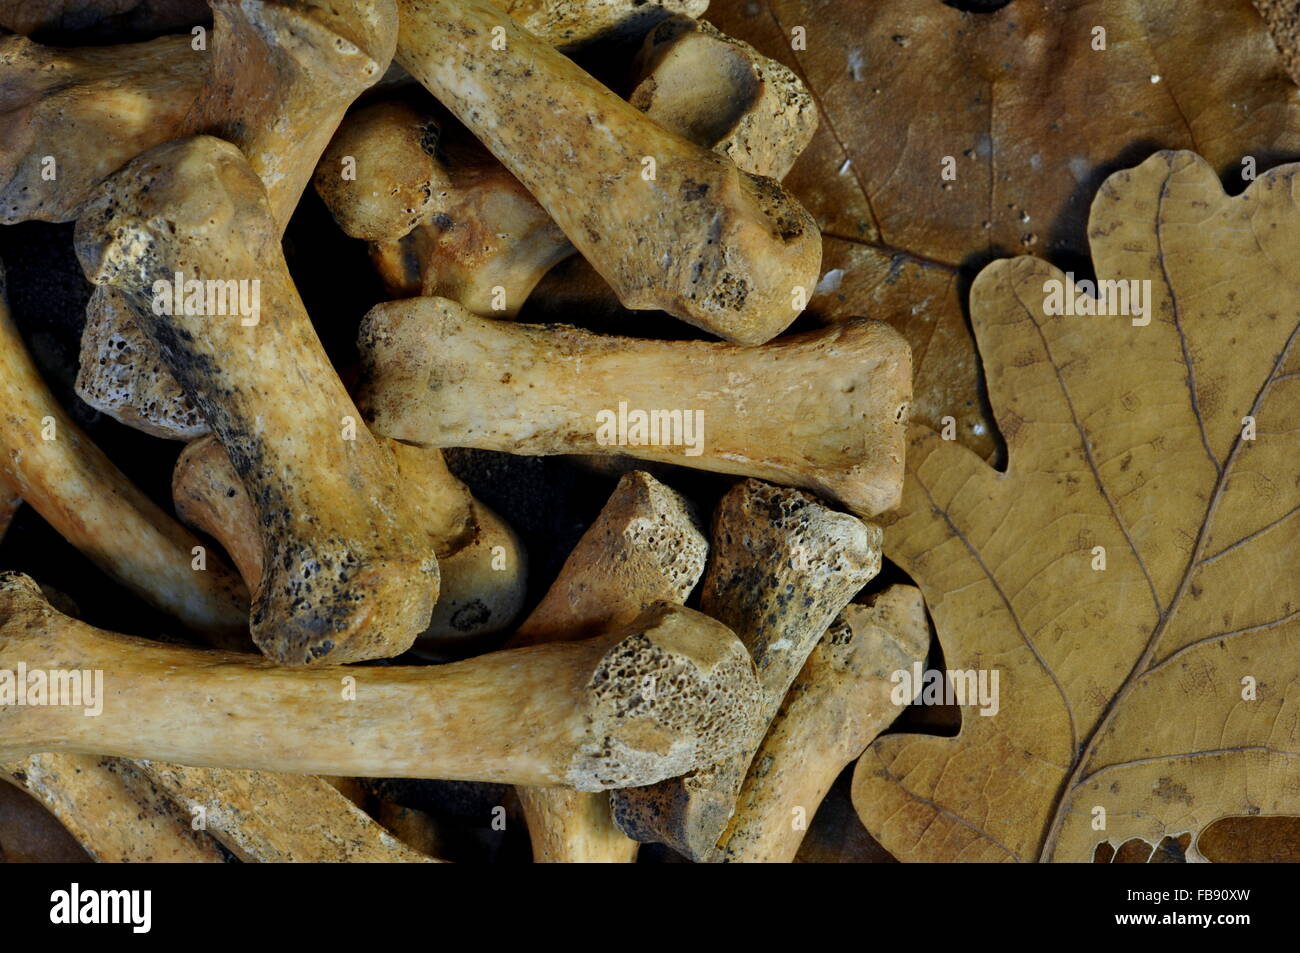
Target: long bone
442,215
668,224
482,563
836,706
574,714
825,410
722,94
781,567
344,576
644,547
50,463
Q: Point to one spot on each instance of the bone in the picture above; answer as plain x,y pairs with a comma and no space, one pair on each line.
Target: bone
571,24
69,117
123,375
443,216
573,714
643,548
29,834
782,567
837,705
722,94
113,809
51,464
824,410
721,249
482,563
284,72
279,818
351,580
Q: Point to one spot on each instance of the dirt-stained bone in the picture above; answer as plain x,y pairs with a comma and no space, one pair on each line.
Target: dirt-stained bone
346,579
781,567
836,706
577,714
722,94
676,227
482,564
825,410
644,547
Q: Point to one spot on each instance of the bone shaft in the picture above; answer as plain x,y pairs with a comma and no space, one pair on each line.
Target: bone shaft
78,491
574,827
509,717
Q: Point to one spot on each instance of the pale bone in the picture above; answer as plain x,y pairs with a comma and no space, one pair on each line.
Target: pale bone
825,410
113,810
87,500
279,818
463,228
573,714
836,706
350,580
722,94
482,563
92,109
782,566
721,249
281,75
643,548
569,24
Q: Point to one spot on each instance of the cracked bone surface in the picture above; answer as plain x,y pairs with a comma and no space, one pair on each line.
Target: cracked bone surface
722,94
781,567
836,706
443,217
482,563
643,548
572,713
667,223
825,410
51,464
568,24
113,810
350,580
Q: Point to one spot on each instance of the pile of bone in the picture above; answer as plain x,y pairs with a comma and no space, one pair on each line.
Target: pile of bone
619,715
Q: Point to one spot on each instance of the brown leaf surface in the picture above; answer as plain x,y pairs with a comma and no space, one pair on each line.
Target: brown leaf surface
1119,688
1035,119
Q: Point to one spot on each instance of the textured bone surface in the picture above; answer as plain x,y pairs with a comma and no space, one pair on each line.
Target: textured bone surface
482,563
350,579
279,818
573,713
443,216
82,495
836,706
123,375
719,248
782,566
91,109
568,24
283,74
112,808
643,548
722,94
825,410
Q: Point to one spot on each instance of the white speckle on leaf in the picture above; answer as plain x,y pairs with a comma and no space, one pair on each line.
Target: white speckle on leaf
830,282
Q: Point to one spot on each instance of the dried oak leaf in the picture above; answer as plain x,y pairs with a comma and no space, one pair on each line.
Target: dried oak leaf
1119,688
1035,119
